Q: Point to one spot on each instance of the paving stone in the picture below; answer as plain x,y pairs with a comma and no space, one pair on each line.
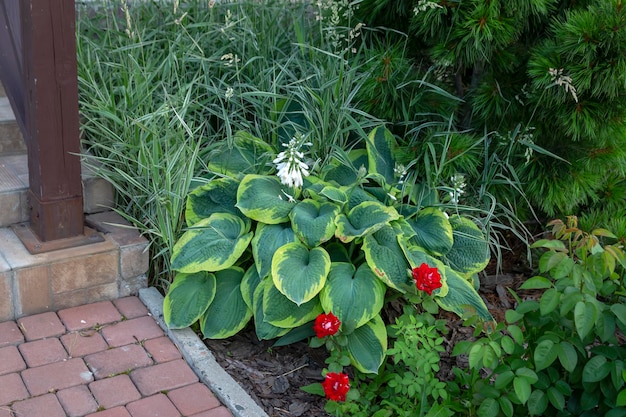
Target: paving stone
131,331
43,352
56,376
11,389
162,349
220,411
114,391
77,401
89,315
118,360
6,412
10,334
155,406
113,412
10,360
84,342
40,326
45,405
162,377
193,399
131,307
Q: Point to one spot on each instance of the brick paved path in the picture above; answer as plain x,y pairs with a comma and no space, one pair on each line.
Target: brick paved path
107,359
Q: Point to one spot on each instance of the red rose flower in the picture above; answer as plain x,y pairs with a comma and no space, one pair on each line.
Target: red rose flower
426,278
336,386
326,325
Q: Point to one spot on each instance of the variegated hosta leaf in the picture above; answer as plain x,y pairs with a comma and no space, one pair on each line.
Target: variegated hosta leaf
264,330
365,218
433,231
249,282
279,311
211,244
264,199
300,273
462,298
470,252
386,258
242,158
355,298
417,256
357,196
343,174
188,298
380,151
218,196
267,239
335,194
367,345
228,313
314,222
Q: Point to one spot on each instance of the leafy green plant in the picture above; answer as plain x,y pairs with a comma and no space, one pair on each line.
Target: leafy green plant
562,354
338,242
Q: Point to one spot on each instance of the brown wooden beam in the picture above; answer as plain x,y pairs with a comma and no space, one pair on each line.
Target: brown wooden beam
52,129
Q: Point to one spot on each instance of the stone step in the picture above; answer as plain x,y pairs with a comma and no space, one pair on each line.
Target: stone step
11,140
98,194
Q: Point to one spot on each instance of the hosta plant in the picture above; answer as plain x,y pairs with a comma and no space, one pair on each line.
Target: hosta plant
281,245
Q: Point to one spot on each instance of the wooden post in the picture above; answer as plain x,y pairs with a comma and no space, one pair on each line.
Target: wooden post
51,118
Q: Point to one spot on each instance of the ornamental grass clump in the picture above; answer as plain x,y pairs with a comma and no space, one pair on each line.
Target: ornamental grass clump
318,259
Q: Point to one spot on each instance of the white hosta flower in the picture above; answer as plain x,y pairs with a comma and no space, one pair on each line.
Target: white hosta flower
424,5
458,187
290,165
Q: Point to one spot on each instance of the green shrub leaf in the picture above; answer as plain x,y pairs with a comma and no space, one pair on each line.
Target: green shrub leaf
585,315
488,408
537,403
549,301
545,354
536,283
567,356
596,369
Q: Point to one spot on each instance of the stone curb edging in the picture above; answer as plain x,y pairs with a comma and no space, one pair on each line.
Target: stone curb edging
202,361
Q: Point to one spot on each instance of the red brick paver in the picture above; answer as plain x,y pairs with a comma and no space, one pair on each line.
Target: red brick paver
107,359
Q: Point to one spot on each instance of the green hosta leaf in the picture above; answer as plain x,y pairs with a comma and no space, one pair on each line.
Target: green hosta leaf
228,313
188,298
433,231
355,298
381,147
367,345
462,298
300,273
242,158
545,354
218,196
264,330
585,315
367,217
596,369
267,239
314,222
211,244
386,258
470,251
249,282
279,311
264,199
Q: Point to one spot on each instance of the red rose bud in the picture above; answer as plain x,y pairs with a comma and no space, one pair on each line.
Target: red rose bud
336,386
426,278
326,325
